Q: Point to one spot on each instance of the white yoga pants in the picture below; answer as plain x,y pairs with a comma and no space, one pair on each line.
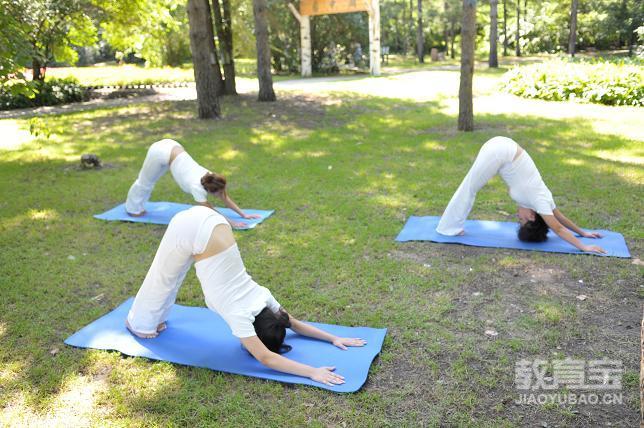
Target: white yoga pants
156,163
187,234
494,154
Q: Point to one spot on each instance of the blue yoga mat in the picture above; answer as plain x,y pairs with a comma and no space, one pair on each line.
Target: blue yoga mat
501,234
162,213
201,338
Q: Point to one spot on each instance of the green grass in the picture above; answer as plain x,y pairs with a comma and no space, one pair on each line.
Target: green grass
343,172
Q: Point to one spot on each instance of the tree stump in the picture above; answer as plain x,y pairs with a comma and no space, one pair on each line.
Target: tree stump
90,161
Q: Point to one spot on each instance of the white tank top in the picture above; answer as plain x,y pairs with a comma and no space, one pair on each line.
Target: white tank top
187,173
231,292
526,187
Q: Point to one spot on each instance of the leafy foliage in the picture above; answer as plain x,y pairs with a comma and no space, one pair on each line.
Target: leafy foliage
595,82
42,93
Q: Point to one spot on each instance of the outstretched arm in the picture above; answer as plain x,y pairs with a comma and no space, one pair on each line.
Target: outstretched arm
228,201
308,330
567,236
572,226
277,362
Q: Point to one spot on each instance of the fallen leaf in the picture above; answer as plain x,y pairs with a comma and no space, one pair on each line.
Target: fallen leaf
491,333
638,262
582,297
54,351
99,297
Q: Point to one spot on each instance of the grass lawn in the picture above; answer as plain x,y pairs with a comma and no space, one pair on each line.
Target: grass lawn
343,172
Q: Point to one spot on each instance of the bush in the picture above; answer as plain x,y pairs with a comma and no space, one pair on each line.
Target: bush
35,94
601,82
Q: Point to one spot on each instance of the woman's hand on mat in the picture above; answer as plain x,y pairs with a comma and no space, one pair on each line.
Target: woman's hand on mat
343,342
593,249
591,234
238,224
326,376
251,216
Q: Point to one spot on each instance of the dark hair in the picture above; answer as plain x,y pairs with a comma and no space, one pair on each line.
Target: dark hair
271,329
213,183
534,231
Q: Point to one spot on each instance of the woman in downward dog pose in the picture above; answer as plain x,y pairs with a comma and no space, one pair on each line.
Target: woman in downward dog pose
202,235
536,208
189,175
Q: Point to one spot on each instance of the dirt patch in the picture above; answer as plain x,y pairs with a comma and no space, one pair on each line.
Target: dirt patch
531,300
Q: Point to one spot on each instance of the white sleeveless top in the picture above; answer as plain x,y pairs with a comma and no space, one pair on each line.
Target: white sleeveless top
526,187
232,293
187,173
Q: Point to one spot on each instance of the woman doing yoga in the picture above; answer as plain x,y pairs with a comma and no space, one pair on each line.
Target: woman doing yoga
202,235
191,177
536,208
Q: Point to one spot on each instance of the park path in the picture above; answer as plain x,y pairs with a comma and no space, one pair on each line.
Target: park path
437,85
363,84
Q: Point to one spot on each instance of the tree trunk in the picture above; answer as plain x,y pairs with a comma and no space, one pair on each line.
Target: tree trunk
505,27
36,72
204,59
518,35
468,33
223,24
420,39
452,37
260,11
572,42
411,21
493,60
446,27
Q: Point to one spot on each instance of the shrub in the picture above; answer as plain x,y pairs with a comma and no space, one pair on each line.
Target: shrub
48,93
601,82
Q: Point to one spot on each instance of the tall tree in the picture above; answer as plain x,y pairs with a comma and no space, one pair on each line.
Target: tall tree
468,34
51,28
420,38
572,41
411,21
517,47
493,60
260,11
223,24
204,58
505,27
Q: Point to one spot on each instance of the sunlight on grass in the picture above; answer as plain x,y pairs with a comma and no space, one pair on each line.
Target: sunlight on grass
230,154
14,134
47,214
635,157
432,145
574,162
75,405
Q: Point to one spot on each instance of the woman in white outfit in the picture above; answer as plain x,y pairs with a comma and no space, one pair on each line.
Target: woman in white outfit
536,208
191,177
203,236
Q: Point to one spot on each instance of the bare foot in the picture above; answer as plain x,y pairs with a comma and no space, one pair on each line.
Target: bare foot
142,335
162,327
137,215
